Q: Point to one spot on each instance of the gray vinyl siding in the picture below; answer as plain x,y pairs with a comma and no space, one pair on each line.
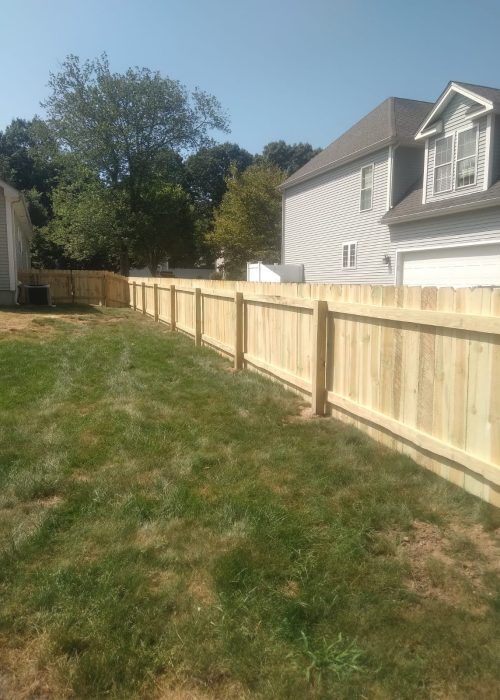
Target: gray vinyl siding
455,117
478,226
323,213
408,166
4,251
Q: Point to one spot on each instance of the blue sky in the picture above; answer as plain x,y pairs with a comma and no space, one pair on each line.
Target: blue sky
298,70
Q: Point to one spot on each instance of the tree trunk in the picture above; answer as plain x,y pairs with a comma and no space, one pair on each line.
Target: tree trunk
124,262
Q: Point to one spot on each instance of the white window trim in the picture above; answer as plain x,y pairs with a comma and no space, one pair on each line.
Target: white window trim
451,162
372,166
349,244
476,156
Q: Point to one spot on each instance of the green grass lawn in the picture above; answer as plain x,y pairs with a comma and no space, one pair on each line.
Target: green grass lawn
171,529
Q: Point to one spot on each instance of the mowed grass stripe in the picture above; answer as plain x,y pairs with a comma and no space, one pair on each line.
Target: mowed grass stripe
169,528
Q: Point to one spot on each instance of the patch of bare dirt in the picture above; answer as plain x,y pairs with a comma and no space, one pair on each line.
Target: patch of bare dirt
43,323
450,565
305,414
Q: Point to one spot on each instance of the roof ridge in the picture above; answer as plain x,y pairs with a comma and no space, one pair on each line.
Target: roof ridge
463,82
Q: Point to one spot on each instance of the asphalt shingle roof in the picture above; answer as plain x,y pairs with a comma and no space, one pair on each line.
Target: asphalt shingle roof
395,119
411,207
488,93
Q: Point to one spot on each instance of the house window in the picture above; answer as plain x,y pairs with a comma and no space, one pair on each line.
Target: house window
349,254
443,164
466,157
366,188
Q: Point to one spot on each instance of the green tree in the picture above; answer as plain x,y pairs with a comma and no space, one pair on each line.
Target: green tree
124,128
248,222
208,169
91,221
166,220
30,161
288,157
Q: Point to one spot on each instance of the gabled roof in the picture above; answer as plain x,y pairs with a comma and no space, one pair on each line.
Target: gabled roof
487,99
394,121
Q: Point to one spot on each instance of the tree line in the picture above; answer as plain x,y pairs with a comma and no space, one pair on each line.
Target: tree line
125,171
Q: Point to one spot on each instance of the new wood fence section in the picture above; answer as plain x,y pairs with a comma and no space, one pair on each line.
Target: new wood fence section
418,369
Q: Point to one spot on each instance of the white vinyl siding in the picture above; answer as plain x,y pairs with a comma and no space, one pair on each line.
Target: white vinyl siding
455,119
4,251
321,214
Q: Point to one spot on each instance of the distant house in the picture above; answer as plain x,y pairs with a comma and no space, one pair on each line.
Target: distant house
408,195
15,240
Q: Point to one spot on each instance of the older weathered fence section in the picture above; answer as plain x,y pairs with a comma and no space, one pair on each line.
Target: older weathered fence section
418,369
81,286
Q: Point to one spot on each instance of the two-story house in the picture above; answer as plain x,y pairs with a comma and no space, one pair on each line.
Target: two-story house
409,195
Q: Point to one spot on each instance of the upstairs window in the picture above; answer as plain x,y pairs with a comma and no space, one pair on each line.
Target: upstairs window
366,199
349,255
443,164
466,157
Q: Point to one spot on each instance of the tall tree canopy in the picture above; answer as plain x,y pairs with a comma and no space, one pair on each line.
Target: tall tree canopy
208,169
129,130
248,222
288,157
29,161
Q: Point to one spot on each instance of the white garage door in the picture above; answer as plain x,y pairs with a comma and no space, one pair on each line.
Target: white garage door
467,266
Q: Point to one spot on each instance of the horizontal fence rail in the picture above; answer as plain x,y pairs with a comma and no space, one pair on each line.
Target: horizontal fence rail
418,369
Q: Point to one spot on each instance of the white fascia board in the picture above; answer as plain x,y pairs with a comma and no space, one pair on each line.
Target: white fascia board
453,89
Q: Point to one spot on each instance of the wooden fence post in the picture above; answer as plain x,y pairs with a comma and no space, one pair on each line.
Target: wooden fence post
143,289
197,313
172,307
318,357
104,301
134,296
155,301
238,330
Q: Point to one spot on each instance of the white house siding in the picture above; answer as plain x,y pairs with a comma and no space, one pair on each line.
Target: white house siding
478,226
408,166
454,117
4,251
323,213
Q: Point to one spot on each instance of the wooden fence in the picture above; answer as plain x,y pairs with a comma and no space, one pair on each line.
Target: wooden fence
97,287
418,369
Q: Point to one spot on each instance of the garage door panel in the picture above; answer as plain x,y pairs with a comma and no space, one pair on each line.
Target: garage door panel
466,266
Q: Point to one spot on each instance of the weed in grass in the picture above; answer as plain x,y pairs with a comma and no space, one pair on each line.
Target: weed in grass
340,658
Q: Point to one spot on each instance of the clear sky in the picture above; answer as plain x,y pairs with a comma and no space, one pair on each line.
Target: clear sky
300,70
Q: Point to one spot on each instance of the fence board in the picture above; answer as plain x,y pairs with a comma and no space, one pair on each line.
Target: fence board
416,368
